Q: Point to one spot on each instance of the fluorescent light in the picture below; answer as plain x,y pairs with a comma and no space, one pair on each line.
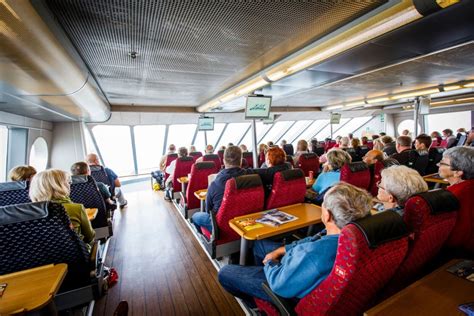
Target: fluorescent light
377,100
251,87
414,93
449,88
334,107
277,75
356,103
469,85
227,97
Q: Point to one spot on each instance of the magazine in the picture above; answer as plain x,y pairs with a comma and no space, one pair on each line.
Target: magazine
248,224
276,217
463,269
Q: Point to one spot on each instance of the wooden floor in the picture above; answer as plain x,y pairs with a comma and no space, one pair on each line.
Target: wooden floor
162,268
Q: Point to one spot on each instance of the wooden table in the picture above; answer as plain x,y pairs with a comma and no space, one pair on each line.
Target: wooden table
184,182
201,196
91,213
31,289
308,214
435,178
438,293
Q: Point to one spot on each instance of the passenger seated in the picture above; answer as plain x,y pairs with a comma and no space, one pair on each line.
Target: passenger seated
93,160
171,150
422,144
262,149
449,138
54,185
22,173
403,148
215,192
397,185
276,162
336,158
182,152
388,145
294,270
458,168
243,148
301,148
82,169
372,156
208,151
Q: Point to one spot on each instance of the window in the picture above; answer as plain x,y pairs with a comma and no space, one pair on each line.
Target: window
212,137
453,121
39,154
296,130
277,130
261,130
233,133
326,132
353,125
311,131
115,145
181,135
149,141
3,152
90,146
409,125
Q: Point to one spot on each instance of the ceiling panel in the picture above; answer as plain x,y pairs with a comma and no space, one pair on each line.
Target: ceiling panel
189,51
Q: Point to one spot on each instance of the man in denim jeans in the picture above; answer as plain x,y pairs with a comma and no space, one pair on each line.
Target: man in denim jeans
294,270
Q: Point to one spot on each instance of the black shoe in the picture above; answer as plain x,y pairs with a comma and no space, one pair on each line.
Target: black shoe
124,204
122,309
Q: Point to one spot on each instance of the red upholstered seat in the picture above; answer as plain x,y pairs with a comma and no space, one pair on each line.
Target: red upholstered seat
444,143
309,162
330,144
243,195
363,265
249,158
195,155
169,159
356,173
430,218
370,145
289,187
215,159
375,177
198,181
183,168
462,236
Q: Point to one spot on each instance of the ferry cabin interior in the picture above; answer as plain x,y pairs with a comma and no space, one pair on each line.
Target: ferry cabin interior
126,79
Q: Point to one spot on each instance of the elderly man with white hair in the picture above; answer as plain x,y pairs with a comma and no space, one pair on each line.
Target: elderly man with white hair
294,270
398,184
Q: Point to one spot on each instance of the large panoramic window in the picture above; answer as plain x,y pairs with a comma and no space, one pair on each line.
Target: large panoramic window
278,129
39,154
311,131
3,152
233,133
353,125
181,135
115,145
149,141
261,130
409,125
296,130
453,121
326,132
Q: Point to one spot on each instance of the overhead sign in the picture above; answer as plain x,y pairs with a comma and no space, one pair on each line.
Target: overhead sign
206,123
335,118
257,107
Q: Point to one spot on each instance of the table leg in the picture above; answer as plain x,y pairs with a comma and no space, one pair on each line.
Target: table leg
244,245
202,205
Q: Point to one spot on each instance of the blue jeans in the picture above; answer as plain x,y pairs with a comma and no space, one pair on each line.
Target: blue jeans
245,282
202,219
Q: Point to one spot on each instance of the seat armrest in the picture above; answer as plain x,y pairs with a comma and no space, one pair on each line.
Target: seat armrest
215,228
285,306
95,260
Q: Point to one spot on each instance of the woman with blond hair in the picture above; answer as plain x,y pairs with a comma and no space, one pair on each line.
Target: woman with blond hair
54,185
22,173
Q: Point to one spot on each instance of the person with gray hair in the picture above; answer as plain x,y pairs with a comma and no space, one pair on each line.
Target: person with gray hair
215,192
294,270
457,165
336,158
344,142
398,184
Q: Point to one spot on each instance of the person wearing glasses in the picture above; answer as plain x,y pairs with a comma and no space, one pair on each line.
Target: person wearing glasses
398,184
457,165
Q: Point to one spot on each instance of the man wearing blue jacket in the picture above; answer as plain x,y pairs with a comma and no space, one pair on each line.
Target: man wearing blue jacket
294,270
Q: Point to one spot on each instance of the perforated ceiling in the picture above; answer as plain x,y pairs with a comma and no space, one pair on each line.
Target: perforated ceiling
189,51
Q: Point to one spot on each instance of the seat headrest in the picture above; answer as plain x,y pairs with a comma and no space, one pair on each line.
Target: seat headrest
195,153
292,174
23,212
440,201
247,154
13,186
382,227
220,151
79,179
204,165
172,155
309,155
358,166
248,181
187,158
211,156
96,168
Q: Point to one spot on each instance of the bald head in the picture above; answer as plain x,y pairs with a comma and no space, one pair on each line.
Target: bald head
372,156
93,159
